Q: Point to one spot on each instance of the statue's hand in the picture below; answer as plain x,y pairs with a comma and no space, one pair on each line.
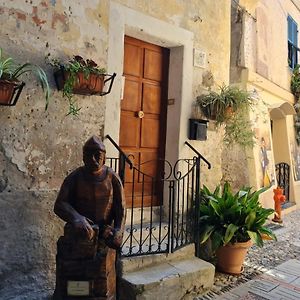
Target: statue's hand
118,237
108,232
113,237
83,224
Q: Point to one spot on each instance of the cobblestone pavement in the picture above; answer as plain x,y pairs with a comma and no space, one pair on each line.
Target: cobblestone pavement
262,260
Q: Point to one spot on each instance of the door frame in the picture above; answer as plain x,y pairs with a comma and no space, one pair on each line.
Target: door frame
126,21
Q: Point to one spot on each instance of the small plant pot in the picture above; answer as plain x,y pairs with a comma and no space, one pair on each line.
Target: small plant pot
230,258
209,111
84,85
10,92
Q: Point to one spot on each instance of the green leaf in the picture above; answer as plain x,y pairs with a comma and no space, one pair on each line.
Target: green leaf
267,232
215,205
205,233
216,240
256,238
230,231
249,221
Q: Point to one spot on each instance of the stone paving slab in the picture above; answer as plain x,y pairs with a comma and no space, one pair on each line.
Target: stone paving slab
280,283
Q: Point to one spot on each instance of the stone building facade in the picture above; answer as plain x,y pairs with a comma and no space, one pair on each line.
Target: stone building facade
210,43
39,148
259,63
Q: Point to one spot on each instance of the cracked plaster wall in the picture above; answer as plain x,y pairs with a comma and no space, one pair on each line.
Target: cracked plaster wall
38,148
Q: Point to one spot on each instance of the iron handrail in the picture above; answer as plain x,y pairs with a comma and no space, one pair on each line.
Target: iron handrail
199,155
120,150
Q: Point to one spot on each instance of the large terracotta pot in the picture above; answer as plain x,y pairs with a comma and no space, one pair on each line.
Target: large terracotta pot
230,258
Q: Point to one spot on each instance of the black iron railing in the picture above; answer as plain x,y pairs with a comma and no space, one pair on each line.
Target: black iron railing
162,207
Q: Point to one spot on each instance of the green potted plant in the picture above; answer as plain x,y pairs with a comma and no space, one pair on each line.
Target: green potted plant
295,88
229,107
10,84
221,105
78,76
232,222
295,82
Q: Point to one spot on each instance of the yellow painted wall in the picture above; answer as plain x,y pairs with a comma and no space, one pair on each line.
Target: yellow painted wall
263,63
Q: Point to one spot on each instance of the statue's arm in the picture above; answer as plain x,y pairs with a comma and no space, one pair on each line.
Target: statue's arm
68,213
119,204
63,208
118,212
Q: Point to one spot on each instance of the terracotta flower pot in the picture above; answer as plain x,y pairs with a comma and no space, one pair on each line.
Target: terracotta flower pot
93,84
231,257
7,91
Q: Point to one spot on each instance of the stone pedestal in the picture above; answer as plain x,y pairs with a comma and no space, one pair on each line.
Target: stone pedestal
85,269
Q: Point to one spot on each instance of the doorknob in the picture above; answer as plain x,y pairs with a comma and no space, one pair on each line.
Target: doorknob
140,114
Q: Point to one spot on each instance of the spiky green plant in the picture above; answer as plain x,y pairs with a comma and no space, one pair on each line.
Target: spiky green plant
11,71
227,217
217,103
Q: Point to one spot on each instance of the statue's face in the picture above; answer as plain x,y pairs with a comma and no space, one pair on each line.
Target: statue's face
93,159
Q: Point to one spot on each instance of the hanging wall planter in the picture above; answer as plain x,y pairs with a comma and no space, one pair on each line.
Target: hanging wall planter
10,92
10,85
92,84
229,106
82,77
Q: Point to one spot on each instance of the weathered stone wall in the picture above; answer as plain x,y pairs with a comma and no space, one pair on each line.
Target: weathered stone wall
38,148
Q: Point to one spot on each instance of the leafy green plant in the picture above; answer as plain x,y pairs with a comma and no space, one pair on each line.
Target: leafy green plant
220,105
226,217
229,107
295,88
11,71
295,82
238,130
297,122
72,68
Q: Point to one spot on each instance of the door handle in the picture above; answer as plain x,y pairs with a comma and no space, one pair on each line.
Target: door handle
140,114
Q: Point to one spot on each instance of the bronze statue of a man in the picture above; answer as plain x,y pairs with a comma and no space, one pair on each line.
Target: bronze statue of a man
90,197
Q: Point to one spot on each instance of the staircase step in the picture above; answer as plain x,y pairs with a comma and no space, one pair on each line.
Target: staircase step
131,264
179,279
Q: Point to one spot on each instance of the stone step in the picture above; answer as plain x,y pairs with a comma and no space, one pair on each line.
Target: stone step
174,279
131,264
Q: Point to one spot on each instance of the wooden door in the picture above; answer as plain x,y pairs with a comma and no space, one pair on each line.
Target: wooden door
143,119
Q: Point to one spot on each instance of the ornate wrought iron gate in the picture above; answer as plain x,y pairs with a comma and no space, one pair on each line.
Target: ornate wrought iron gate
283,178
174,222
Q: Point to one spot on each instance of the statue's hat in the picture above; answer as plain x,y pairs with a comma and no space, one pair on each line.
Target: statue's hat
95,143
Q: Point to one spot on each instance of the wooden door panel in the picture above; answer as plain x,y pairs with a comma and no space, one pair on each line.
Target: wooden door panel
135,159
143,136
150,133
131,100
148,165
153,63
129,136
151,98
132,60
